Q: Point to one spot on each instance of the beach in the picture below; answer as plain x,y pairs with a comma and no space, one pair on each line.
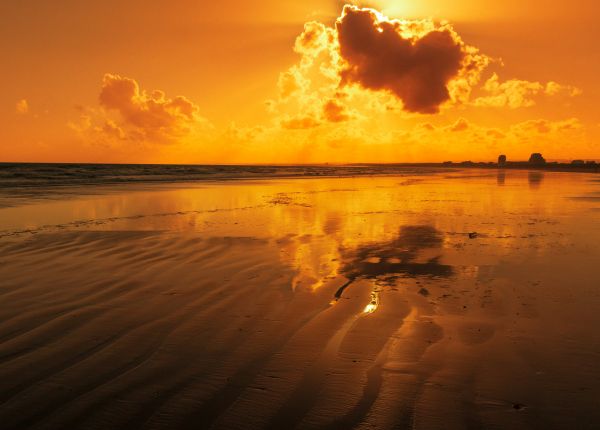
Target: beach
422,299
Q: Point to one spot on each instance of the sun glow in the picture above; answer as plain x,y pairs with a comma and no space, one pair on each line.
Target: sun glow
404,8
398,8
289,106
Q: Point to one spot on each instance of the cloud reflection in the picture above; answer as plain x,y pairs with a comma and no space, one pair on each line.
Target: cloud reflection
387,261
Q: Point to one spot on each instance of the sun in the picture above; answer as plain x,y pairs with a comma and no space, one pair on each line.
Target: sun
400,8
412,9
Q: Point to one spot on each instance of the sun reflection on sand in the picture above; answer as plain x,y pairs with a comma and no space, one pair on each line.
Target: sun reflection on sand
373,304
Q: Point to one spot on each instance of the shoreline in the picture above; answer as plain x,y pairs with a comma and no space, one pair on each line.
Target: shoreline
61,184
199,173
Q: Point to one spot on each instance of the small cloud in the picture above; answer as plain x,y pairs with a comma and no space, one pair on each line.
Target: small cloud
543,126
555,89
112,129
129,113
571,124
513,93
426,126
151,115
300,123
495,133
22,107
460,125
84,123
333,111
516,93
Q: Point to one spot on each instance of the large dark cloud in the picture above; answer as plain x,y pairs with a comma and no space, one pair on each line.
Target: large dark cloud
415,66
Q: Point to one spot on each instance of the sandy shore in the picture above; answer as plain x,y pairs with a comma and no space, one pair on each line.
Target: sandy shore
307,303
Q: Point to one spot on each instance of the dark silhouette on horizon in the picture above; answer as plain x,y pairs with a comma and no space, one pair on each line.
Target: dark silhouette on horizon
536,161
536,158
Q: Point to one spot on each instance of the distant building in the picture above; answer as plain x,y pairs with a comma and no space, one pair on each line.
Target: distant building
502,160
578,162
536,158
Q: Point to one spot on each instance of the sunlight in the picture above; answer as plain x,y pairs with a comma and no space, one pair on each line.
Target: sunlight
373,304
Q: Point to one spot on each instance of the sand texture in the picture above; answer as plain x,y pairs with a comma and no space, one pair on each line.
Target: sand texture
453,300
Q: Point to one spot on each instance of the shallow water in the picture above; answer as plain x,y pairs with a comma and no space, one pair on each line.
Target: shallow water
458,299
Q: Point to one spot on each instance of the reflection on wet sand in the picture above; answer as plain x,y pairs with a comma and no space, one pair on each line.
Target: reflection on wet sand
398,256
324,303
387,261
501,177
535,179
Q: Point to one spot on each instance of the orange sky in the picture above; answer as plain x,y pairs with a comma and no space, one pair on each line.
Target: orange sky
279,81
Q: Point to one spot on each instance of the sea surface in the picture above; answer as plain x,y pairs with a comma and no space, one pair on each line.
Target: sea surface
320,297
25,181
40,174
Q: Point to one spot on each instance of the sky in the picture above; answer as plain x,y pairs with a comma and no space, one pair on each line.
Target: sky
298,82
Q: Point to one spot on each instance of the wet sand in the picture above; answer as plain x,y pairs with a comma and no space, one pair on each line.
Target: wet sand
316,303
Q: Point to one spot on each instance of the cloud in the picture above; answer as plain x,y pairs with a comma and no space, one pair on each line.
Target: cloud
315,37
495,133
543,127
300,123
553,88
150,116
460,125
370,64
112,129
22,107
353,142
128,113
425,126
517,137
414,60
516,93
291,82
334,111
